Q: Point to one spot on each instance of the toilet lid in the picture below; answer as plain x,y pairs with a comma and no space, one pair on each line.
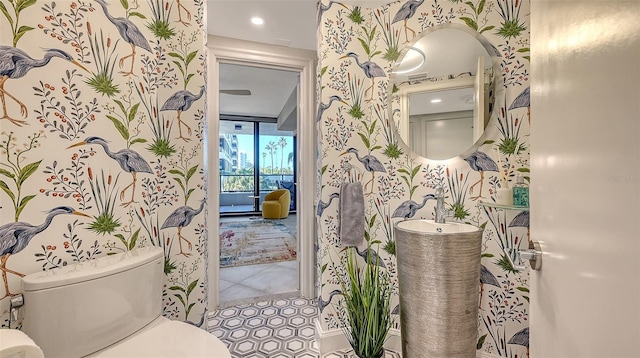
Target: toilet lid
164,338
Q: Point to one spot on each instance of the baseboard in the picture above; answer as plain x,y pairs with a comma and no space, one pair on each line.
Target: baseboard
334,340
329,340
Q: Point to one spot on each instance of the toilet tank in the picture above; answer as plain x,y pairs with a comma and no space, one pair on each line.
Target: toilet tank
78,309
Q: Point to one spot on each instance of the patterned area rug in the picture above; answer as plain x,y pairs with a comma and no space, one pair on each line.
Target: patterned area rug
255,242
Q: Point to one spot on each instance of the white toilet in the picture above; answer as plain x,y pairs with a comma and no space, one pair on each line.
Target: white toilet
109,307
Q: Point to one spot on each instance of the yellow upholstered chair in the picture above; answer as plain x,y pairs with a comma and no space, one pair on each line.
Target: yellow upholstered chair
276,204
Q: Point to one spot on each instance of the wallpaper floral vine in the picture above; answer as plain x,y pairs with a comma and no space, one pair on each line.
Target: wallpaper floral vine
358,49
101,139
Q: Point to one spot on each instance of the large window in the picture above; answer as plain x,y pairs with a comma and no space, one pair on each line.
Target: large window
255,158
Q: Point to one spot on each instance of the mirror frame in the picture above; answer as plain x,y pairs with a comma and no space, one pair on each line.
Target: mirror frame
396,101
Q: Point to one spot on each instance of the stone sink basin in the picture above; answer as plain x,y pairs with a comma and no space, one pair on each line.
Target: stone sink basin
431,227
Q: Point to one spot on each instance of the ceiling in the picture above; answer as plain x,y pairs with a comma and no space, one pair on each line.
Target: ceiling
270,90
290,23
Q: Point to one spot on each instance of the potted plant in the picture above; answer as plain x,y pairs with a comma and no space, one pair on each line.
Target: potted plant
367,298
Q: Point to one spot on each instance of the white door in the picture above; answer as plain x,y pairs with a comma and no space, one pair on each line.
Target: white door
585,169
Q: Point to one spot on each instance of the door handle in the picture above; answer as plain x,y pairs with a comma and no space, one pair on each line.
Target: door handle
533,254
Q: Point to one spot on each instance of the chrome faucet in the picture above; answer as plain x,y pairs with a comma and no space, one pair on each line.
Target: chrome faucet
441,212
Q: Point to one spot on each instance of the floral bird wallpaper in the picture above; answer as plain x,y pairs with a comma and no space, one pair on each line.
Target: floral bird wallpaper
357,50
101,139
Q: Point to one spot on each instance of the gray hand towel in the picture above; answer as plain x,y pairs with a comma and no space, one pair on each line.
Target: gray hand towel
351,214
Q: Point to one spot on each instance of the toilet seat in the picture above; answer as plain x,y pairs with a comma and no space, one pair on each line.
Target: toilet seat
164,338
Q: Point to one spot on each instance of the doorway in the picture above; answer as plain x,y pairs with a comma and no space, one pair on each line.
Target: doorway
229,51
258,259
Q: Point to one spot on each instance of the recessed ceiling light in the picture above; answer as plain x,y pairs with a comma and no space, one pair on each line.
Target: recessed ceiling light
436,100
257,20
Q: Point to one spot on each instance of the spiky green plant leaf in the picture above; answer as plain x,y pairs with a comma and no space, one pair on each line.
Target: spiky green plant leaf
511,146
505,265
104,223
356,112
390,247
356,15
459,211
393,151
161,147
161,29
168,266
511,28
392,54
103,84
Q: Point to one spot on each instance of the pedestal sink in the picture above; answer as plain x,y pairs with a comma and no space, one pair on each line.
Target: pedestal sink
439,281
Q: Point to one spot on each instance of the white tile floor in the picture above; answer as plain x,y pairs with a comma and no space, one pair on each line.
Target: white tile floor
254,283
282,328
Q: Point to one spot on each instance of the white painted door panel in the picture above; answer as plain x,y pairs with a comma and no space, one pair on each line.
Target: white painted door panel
585,188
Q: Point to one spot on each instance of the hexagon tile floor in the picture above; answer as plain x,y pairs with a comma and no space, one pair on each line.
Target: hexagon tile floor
282,328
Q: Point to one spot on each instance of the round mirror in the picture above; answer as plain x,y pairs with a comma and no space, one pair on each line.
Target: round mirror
442,93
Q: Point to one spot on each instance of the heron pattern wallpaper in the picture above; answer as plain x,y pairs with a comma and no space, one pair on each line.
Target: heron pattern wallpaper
357,50
101,139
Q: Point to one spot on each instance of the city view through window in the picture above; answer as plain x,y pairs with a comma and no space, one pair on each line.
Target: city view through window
250,168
